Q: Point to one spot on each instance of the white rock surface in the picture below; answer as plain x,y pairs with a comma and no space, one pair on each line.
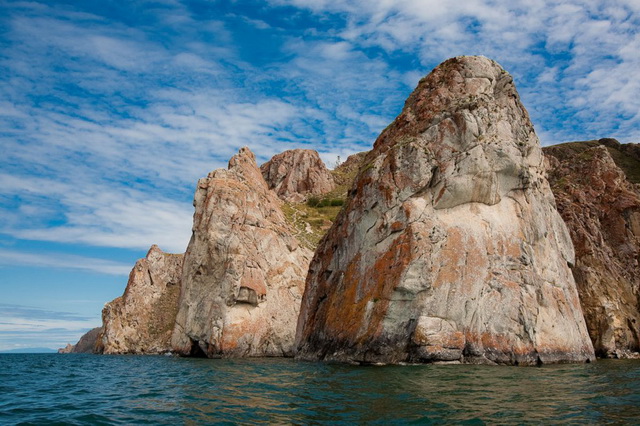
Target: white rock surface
450,247
244,272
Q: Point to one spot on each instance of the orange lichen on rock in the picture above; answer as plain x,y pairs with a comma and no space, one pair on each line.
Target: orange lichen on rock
448,240
241,257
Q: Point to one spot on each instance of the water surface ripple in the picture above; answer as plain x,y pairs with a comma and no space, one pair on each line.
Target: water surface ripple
89,389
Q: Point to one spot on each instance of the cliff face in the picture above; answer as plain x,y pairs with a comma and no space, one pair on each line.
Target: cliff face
244,272
602,210
450,247
297,174
142,319
89,342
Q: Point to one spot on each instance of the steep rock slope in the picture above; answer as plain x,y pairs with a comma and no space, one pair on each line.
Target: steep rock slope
142,319
450,247
602,211
296,174
244,272
89,343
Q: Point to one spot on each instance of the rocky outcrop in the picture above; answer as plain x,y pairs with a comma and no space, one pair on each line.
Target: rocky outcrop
244,272
297,174
602,211
626,156
141,320
450,247
88,343
67,349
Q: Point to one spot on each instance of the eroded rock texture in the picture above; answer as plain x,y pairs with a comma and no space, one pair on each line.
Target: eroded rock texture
244,272
141,320
602,211
450,247
297,174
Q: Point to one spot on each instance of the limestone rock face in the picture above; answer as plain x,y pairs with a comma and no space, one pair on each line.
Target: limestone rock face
244,272
450,247
142,319
602,211
296,174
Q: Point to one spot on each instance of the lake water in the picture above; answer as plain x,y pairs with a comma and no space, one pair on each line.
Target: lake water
91,389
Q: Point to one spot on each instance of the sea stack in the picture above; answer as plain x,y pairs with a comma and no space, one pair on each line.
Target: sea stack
141,320
450,247
244,271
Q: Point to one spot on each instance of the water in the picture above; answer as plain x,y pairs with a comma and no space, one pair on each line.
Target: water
90,389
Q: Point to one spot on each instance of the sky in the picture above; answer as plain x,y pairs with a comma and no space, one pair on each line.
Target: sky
111,110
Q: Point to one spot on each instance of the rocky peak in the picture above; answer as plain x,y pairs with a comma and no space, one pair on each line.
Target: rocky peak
449,247
602,210
244,270
243,166
297,174
142,319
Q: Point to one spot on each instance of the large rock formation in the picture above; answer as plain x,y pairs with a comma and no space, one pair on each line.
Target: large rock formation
602,211
297,174
244,272
141,320
450,247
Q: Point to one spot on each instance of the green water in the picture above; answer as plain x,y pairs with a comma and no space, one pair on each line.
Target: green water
91,389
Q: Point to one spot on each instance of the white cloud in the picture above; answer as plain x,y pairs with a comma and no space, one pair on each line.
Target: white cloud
558,51
29,327
97,215
57,260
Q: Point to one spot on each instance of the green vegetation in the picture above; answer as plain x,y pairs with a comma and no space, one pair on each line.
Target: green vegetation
325,202
312,219
310,223
627,163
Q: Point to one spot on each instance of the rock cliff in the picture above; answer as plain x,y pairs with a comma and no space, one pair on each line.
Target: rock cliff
602,210
450,247
142,319
88,343
244,272
297,174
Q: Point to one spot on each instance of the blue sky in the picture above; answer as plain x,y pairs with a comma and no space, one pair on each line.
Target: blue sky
111,110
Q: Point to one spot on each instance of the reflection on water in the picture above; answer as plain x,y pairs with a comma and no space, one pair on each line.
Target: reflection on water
127,389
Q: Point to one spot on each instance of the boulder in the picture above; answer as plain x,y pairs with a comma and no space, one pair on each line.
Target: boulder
141,320
297,174
602,211
244,271
450,247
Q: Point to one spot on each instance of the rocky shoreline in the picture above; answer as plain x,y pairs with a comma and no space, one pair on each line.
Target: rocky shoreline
456,239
